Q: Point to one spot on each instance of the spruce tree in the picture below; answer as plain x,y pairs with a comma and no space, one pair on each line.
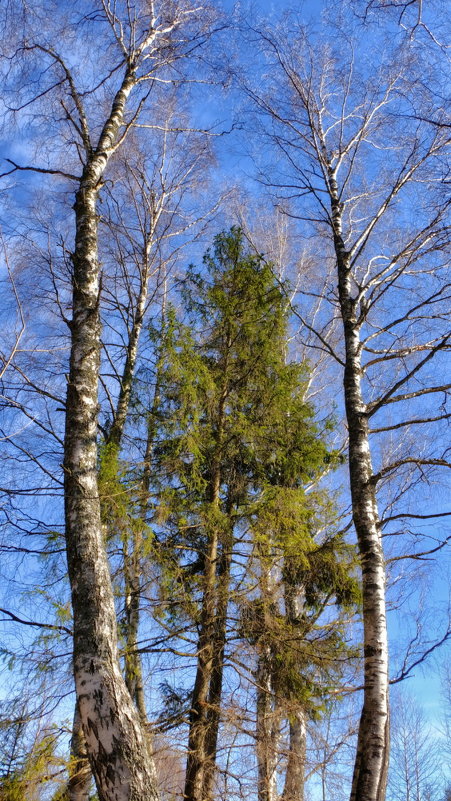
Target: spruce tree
236,444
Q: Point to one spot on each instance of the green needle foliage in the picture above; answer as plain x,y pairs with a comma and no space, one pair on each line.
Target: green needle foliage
233,415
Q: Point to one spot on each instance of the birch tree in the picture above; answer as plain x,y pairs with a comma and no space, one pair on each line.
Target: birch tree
384,289
420,19
415,773
148,217
141,43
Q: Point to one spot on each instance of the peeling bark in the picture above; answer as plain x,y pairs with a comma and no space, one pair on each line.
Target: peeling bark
79,783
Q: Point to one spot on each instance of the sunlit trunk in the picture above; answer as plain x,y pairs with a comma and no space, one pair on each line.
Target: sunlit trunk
371,765
115,741
215,693
295,771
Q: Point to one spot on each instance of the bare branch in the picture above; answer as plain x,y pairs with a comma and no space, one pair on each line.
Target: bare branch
30,168
34,623
417,462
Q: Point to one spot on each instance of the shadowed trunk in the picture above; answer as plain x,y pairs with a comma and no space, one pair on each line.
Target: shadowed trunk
215,694
198,745
267,704
267,730
295,771
198,719
79,769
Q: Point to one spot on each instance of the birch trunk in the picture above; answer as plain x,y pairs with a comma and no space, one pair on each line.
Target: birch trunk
120,417
116,744
133,547
371,765
79,782
295,772
267,731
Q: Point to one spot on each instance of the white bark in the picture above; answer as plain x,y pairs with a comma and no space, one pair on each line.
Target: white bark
294,785
267,731
116,743
371,764
295,771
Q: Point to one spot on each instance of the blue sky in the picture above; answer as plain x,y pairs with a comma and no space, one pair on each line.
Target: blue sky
237,167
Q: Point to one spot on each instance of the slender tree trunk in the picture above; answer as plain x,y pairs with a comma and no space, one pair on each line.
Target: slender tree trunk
133,546
295,771
198,719
267,731
371,765
116,744
79,769
215,693
199,714
132,570
267,712
133,667
123,403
